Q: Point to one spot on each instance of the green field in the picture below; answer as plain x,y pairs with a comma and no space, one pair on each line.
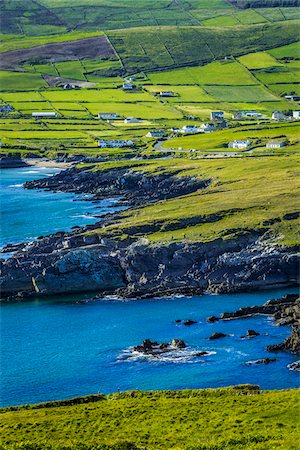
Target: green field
214,419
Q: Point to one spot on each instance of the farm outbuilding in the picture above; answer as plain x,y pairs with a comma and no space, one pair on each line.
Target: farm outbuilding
44,114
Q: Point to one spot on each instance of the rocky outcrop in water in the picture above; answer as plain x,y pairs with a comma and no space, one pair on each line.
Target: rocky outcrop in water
285,311
260,361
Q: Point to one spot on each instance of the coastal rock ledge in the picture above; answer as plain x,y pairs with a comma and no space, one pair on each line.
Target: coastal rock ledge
70,263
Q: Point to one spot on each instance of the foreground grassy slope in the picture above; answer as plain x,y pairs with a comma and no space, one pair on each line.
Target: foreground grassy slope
212,419
244,194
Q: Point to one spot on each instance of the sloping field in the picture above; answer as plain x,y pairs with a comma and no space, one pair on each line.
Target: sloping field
95,47
155,48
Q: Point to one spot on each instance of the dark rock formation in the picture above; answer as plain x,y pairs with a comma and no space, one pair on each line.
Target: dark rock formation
251,333
260,361
291,343
189,322
11,162
217,336
149,347
285,311
120,183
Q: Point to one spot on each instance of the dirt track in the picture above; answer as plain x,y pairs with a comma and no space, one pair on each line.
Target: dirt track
84,48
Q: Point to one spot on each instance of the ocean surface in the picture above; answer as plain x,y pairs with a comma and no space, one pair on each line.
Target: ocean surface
29,213
68,346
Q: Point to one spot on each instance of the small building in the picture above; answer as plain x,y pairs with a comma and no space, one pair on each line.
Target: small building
6,108
155,134
189,129
237,116
217,115
108,116
296,115
42,114
222,124
275,144
292,97
277,115
252,114
175,129
115,143
207,128
128,86
131,120
166,94
239,143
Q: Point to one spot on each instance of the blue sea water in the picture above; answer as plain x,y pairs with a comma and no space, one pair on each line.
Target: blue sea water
26,214
68,346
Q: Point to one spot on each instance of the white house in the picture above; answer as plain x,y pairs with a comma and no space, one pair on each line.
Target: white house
131,120
166,94
296,115
106,116
217,115
275,144
115,143
207,128
277,115
240,143
155,134
238,115
128,86
44,114
293,97
252,114
189,129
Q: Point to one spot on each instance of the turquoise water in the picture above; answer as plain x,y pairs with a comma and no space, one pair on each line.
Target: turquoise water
69,346
26,214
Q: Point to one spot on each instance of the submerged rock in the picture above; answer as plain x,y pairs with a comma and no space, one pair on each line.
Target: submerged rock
260,361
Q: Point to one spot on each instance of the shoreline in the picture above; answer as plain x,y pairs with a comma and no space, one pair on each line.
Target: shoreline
40,162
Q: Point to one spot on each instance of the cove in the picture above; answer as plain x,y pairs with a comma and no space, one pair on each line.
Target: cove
27,214
69,346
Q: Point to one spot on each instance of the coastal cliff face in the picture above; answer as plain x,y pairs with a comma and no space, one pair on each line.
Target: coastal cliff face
67,264
82,260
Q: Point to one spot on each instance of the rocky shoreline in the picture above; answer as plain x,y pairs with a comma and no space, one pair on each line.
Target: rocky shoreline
84,261
285,311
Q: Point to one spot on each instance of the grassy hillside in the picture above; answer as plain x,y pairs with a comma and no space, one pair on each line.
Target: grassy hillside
152,48
237,198
48,17
212,419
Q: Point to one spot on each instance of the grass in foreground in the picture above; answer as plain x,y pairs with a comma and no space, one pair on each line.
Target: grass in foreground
240,417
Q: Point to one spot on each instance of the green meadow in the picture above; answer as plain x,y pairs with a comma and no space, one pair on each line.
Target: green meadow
231,418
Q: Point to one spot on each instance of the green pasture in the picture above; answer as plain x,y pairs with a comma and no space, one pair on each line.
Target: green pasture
224,72
70,69
258,60
20,81
237,194
250,94
102,95
286,51
285,88
19,41
182,93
